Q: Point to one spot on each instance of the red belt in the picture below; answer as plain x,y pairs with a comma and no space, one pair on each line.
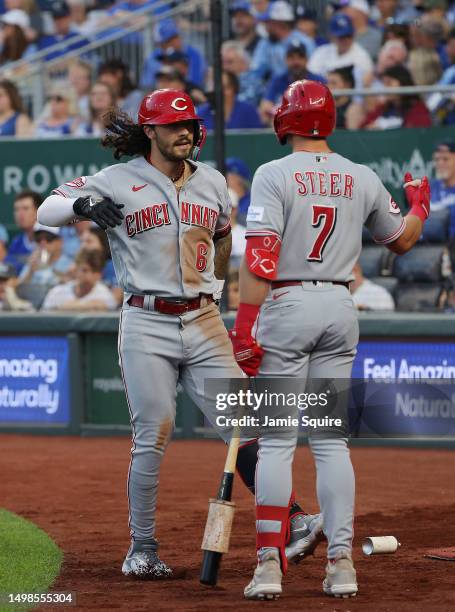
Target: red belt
292,283
174,307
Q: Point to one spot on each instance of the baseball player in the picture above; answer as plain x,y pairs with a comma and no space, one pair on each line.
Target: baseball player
167,220
296,316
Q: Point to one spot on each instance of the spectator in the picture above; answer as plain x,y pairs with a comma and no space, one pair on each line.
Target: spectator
238,178
398,110
174,69
13,120
168,39
87,292
367,295
47,265
71,236
95,239
392,53
25,206
102,100
85,21
244,27
237,115
443,105
279,22
115,74
307,23
428,34
425,66
435,10
443,186
236,60
296,62
13,39
368,37
398,31
169,78
3,242
80,78
60,113
238,230
385,12
64,32
342,51
233,290
8,297
349,112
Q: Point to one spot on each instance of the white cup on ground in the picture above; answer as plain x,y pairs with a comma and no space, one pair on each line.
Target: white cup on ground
380,545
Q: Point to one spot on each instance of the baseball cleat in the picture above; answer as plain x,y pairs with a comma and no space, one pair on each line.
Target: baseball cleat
340,579
142,561
305,535
266,583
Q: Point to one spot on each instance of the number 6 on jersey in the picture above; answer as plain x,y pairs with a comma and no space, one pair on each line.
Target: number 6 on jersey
327,215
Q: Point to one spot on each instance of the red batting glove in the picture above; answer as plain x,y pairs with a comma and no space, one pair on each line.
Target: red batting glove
247,351
418,196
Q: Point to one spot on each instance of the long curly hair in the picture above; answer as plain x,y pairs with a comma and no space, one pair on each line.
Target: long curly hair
124,136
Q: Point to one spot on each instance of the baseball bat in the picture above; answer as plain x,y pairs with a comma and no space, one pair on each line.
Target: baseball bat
219,520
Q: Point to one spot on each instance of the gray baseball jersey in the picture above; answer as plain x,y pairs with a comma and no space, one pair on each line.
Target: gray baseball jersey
165,243
317,203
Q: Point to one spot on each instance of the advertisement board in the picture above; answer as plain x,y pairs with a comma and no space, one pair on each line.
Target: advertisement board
408,389
34,380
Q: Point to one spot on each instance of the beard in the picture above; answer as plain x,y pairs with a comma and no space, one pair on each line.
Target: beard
170,150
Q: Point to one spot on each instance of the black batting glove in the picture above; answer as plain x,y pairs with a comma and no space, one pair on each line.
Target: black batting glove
104,213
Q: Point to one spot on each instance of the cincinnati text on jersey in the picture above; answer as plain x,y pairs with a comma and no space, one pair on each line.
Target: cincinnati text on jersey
157,215
147,218
333,184
198,214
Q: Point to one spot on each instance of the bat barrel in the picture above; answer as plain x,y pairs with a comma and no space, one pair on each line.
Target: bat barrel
210,566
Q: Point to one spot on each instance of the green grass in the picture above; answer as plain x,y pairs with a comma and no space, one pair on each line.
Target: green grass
29,559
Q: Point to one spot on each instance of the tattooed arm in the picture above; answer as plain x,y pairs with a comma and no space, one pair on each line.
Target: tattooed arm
222,253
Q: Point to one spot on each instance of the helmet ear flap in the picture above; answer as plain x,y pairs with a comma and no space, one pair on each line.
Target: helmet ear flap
200,136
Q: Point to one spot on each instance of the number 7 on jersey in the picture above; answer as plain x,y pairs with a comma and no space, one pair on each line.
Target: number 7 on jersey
327,217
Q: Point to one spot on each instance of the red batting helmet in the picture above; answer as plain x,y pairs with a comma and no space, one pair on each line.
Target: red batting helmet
165,106
307,109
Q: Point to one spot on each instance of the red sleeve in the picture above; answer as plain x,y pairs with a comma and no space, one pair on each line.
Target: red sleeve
417,116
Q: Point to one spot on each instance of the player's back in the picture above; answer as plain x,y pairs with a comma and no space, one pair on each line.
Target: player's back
317,203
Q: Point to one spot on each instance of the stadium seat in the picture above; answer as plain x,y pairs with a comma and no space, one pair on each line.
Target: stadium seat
422,264
371,260
417,297
436,228
388,282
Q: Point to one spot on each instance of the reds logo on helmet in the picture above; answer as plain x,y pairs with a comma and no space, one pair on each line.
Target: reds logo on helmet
182,107
165,106
307,109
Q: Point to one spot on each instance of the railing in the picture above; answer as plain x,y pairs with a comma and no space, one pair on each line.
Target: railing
34,74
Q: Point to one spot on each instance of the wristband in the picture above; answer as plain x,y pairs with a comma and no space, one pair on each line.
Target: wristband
246,316
418,210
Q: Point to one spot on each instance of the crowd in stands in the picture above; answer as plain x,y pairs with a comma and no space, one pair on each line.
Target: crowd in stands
70,268
51,268
351,44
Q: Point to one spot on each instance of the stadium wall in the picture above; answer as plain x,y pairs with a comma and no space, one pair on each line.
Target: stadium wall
59,374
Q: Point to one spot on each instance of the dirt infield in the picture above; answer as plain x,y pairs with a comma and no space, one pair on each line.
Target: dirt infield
75,489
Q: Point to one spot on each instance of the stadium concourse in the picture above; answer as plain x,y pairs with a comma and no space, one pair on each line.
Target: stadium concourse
70,488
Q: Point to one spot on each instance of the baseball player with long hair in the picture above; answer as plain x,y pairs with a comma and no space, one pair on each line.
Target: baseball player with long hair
167,220
296,317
